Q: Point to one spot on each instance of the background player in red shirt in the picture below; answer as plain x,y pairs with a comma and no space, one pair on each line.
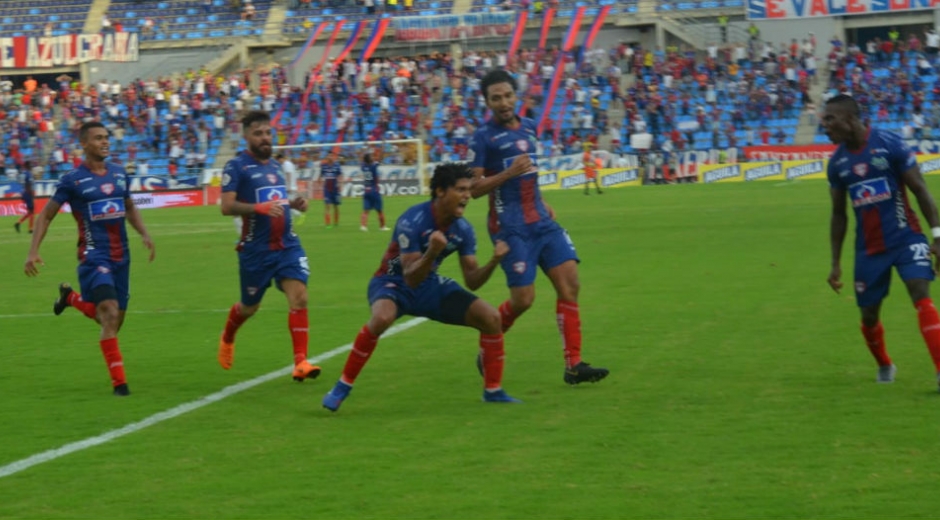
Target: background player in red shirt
100,201
873,169
269,250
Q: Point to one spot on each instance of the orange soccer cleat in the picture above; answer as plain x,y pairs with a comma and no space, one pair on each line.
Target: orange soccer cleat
226,353
302,371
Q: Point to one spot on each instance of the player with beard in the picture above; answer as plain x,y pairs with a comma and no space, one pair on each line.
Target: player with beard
874,169
503,164
101,203
268,250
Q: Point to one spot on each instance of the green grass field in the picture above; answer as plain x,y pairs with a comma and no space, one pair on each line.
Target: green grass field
740,385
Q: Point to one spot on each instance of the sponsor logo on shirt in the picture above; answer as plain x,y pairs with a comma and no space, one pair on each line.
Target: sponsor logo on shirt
880,163
869,192
106,209
507,162
269,193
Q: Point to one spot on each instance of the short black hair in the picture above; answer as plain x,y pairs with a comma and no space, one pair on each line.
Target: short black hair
255,116
846,101
367,158
83,130
446,175
495,77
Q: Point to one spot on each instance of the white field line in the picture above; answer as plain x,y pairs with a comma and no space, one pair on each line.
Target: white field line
176,411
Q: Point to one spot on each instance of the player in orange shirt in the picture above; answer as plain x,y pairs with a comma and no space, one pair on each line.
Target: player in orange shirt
590,171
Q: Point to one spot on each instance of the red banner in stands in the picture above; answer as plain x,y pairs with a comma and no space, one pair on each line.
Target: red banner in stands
788,153
161,199
25,52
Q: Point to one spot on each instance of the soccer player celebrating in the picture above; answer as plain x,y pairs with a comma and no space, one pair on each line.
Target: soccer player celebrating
28,202
330,174
101,203
503,154
874,169
269,249
407,282
371,197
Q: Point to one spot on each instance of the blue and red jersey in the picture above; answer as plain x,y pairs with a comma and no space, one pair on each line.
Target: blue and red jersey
370,177
255,182
872,178
330,173
517,204
98,205
413,232
28,192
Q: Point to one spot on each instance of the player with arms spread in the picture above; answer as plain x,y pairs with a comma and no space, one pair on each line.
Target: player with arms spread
371,197
874,169
330,174
407,282
503,164
101,203
269,249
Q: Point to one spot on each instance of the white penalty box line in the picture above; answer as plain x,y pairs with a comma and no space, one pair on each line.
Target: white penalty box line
176,411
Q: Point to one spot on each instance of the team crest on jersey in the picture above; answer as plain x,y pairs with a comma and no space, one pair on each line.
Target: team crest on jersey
519,267
860,169
107,188
272,178
523,145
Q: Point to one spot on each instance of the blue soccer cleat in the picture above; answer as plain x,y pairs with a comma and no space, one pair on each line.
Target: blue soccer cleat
334,398
499,396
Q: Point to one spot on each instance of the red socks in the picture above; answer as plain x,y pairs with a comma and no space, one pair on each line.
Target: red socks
363,347
112,356
930,328
87,308
875,339
299,332
569,325
491,347
507,316
235,320
326,217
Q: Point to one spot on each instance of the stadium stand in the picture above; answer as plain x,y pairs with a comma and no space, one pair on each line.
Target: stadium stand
52,18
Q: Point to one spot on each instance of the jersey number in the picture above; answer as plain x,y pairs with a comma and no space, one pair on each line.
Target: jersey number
921,252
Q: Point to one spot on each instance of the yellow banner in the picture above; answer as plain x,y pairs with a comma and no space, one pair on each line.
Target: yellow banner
929,164
607,177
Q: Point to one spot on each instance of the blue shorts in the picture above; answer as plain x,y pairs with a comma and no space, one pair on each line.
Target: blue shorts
873,273
256,271
95,273
331,197
30,205
372,200
438,298
546,250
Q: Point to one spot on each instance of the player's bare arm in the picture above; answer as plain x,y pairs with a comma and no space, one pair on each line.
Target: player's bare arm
837,228
137,222
474,275
417,266
483,185
914,180
46,216
232,207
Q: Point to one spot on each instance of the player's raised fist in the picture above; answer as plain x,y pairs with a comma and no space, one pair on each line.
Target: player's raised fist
437,242
500,249
520,165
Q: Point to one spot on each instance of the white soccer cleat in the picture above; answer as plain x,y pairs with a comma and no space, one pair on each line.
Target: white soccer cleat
363,228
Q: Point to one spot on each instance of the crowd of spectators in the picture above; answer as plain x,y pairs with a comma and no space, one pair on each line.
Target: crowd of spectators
725,96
